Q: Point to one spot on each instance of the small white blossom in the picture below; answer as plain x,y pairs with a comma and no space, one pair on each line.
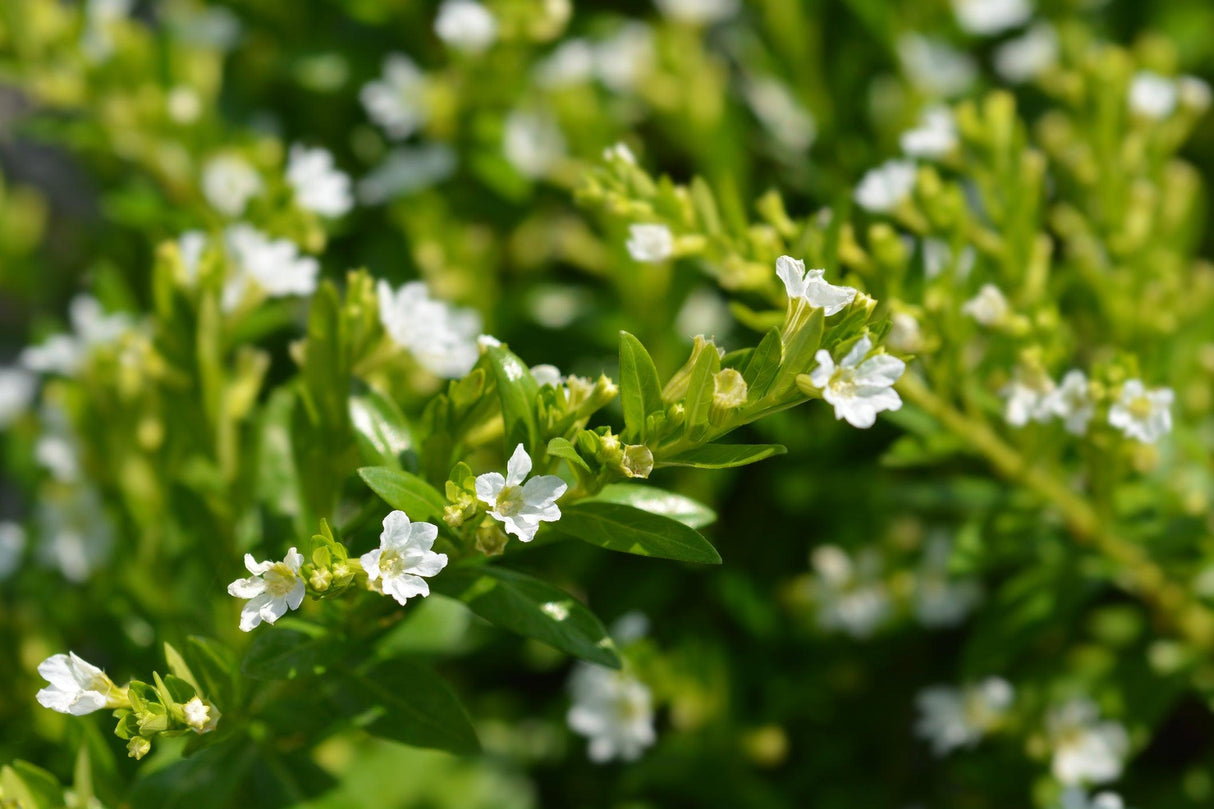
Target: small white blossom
1028,399
942,600
697,12
75,534
905,337
989,307
183,105
938,256
935,136
407,170
77,687
465,25
1074,797
781,113
319,186
650,243
397,567
190,247
620,151
547,376
272,590
1153,96
1027,56
100,16
952,718
812,287
1142,414
987,17
441,337
532,142
882,188
12,547
274,266
520,507
1194,93
849,596
624,58
17,389
1086,749
228,183
859,388
395,101
614,710
57,449
197,715
935,67
1072,402
91,328
572,63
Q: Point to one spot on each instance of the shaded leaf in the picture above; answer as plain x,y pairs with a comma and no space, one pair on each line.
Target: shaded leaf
724,456
406,492
658,501
626,529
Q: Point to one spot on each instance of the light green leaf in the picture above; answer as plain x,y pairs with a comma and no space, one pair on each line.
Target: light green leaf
700,388
627,529
799,353
30,787
723,456
658,501
382,431
640,387
530,607
406,492
764,363
563,448
518,393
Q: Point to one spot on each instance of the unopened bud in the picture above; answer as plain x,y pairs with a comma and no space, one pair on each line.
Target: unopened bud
138,747
320,579
636,461
490,539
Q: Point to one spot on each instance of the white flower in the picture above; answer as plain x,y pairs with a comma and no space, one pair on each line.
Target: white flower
882,188
77,687
782,115
619,151
1072,402
951,718
97,41
319,187
1153,96
935,67
407,170
91,327
1086,749
859,388
12,546
190,247
697,12
441,337
273,265
520,507
849,596
74,533
624,58
1027,56
197,714
57,448
547,376
988,307
532,142
183,104
572,63
614,710
650,243
1194,93
938,256
704,312
1028,399
1074,797
1142,414
228,183
987,17
403,557
905,337
935,136
465,25
812,287
395,100
941,600
274,588
17,389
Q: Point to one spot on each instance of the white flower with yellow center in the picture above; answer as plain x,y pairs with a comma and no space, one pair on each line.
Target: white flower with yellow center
198,715
988,307
228,183
319,186
950,718
77,687
859,388
1142,414
812,287
614,710
396,100
272,590
1086,749
1072,402
883,188
465,25
403,557
520,507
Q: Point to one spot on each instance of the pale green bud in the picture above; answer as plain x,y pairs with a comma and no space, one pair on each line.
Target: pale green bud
138,747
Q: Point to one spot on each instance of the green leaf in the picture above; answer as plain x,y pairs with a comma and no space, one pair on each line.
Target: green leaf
530,607
658,501
406,702
380,427
799,353
764,363
705,207
700,388
518,393
626,529
563,448
325,373
723,456
207,780
178,667
640,387
278,653
30,787
213,665
406,492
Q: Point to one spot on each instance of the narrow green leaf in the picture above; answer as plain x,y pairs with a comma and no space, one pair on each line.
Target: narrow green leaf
30,787
700,387
623,528
287,654
658,501
705,206
383,433
531,607
213,665
178,667
406,492
799,353
563,448
518,394
723,456
640,387
764,363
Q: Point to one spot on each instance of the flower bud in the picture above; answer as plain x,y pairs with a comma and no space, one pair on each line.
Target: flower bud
320,580
138,747
490,539
636,461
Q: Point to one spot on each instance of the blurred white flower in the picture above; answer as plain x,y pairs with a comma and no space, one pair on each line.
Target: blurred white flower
989,307
1027,56
272,590
532,142
935,136
12,548
91,327
190,247
650,243
520,507
228,183
704,312
859,388
77,687
1028,399
905,336
697,12
942,600
465,25
319,186
1194,93
57,449
397,567
934,67
952,718
198,715
623,59
395,101
938,256
1072,402
17,389
1153,96
274,266
547,376
987,17
614,710
1074,797
571,63
1143,414
619,151
74,533
97,41
812,286
849,596
441,337
783,116
183,104
882,188
1086,749
405,171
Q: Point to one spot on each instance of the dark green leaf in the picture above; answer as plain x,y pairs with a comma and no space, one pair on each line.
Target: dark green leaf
278,653
723,456
212,665
626,529
658,501
640,387
406,492
208,780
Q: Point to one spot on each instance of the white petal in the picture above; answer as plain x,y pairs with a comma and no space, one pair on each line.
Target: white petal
296,596
396,530
821,375
881,370
293,560
792,272
251,587
250,615
518,466
422,536
489,486
429,565
255,567
370,563
273,609
56,699
405,586
543,489
858,352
